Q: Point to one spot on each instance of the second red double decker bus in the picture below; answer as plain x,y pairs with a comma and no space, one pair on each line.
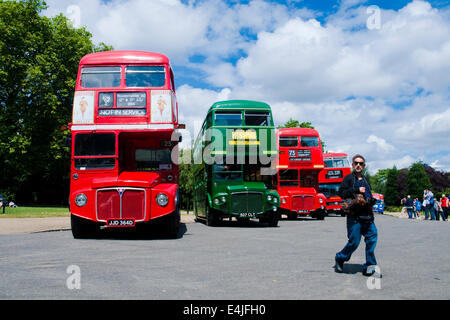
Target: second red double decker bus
300,161
125,118
336,168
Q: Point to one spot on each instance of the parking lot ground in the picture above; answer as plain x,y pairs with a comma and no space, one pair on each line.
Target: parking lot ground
231,262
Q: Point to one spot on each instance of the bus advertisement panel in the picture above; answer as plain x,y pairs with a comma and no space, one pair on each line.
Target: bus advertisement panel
336,168
300,161
233,156
123,131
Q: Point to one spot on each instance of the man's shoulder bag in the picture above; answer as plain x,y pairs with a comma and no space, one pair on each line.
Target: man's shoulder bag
351,205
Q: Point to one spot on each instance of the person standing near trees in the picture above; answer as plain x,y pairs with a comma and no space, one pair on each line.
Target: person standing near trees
409,206
445,205
417,208
429,204
360,221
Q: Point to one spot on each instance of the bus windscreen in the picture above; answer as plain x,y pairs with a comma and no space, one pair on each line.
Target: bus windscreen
95,144
149,159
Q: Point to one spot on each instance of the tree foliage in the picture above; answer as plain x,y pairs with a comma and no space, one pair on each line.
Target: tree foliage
417,180
392,196
39,59
186,178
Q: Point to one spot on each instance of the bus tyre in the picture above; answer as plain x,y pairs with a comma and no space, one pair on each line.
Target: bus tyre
173,224
273,219
212,218
320,215
83,228
292,216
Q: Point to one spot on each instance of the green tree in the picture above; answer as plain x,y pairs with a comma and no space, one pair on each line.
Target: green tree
417,180
186,179
291,123
391,196
39,59
378,181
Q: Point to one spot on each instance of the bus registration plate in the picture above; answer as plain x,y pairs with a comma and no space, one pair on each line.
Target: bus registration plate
120,223
247,215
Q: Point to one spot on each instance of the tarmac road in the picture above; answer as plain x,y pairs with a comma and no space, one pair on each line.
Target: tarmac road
292,261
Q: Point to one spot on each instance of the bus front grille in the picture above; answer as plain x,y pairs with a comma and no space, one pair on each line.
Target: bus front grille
302,203
121,203
247,202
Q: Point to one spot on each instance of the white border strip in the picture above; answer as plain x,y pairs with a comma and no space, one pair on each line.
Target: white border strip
122,127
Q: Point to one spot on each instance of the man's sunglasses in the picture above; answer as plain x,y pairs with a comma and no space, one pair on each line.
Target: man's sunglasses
357,162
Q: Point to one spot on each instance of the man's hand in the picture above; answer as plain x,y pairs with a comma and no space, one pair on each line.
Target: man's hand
362,189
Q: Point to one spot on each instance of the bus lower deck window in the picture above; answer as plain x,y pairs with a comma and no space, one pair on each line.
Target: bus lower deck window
95,144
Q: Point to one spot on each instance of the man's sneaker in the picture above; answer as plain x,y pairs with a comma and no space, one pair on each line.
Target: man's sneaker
339,267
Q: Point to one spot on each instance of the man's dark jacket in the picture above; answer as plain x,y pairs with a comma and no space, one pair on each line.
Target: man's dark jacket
348,190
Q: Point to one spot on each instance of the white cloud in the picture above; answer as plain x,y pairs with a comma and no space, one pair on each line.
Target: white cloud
339,75
381,144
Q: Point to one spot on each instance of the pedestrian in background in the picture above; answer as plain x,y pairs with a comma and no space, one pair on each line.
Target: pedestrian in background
417,208
445,205
409,206
424,205
360,222
439,211
429,209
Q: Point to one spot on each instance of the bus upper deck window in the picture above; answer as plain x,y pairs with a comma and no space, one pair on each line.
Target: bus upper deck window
257,119
100,77
309,141
145,77
228,119
288,142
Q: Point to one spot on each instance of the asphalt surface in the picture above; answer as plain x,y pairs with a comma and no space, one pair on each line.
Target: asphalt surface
232,262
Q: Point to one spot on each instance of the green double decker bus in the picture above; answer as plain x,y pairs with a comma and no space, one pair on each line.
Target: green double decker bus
234,164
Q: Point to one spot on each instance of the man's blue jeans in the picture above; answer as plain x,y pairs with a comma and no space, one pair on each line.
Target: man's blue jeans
410,213
355,230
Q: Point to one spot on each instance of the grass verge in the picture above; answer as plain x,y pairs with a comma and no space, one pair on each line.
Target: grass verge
34,212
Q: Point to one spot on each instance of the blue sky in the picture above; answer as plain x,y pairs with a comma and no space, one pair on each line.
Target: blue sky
371,82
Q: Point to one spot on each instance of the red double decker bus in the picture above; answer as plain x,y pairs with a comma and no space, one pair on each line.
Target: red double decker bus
336,168
299,163
123,131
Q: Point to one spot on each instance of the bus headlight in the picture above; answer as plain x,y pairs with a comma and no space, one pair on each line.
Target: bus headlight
275,200
216,201
81,200
162,199
320,200
269,197
223,199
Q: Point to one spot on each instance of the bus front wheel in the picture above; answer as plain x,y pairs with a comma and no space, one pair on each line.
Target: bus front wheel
212,218
83,228
173,224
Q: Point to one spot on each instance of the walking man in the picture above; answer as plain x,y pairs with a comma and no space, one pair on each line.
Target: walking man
360,221
409,206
